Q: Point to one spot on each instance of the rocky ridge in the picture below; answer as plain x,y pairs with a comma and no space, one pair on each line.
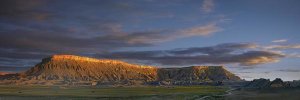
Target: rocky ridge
266,83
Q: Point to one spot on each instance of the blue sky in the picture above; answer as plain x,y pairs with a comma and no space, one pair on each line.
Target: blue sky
253,38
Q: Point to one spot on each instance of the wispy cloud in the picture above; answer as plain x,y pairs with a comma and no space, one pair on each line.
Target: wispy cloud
294,55
163,36
207,6
280,40
206,30
289,46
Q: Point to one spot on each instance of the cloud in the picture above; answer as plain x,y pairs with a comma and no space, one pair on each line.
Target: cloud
290,46
229,53
62,40
246,77
289,70
244,72
40,43
9,62
259,57
34,29
207,6
280,41
294,55
216,50
16,9
167,35
199,31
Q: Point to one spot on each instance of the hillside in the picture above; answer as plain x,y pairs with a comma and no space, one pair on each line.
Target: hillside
212,73
70,68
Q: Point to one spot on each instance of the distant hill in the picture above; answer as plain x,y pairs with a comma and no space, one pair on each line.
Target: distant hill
70,69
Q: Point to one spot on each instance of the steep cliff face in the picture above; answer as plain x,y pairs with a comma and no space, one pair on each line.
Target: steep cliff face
72,68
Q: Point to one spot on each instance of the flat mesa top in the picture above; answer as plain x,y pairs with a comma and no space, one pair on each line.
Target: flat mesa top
87,59
78,58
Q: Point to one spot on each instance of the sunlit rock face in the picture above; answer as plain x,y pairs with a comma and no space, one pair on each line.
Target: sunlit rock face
70,68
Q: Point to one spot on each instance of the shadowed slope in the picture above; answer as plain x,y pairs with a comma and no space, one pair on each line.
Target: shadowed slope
208,73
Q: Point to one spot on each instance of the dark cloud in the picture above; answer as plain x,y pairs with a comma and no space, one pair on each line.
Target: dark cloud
240,53
61,42
216,50
25,43
16,54
33,29
8,62
17,10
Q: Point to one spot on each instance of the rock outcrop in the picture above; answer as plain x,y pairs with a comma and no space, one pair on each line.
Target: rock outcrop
259,83
277,83
294,83
266,83
70,69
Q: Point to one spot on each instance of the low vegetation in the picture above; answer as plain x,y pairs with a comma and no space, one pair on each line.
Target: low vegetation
149,92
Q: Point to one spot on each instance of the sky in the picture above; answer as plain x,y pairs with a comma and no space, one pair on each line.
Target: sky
252,38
